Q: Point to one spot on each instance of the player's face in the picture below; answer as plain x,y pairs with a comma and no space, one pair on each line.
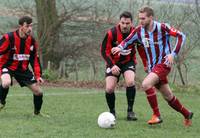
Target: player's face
125,24
144,20
26,28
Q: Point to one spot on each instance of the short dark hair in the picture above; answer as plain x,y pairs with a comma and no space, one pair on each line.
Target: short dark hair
24,19
126,14
148,10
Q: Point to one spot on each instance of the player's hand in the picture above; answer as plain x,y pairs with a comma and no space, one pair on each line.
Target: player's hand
40,80
115,70
169,60
115,50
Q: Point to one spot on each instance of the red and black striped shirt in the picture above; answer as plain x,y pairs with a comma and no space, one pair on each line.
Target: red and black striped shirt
16,53
114,37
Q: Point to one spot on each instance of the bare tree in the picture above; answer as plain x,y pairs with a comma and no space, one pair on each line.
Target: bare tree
182,18
50,23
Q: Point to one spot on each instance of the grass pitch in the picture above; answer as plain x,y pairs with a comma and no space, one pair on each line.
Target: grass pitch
74,114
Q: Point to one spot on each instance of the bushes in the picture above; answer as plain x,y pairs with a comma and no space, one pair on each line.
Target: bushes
50,75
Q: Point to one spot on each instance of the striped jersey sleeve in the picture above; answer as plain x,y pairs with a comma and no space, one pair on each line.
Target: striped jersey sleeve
34,60
180,37
4,44
106,49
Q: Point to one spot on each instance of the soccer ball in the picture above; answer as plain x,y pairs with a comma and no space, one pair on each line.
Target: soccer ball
106,120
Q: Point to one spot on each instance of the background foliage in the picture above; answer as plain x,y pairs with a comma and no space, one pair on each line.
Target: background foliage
70,33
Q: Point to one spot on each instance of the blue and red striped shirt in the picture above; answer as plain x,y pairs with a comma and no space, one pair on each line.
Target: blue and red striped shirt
156,43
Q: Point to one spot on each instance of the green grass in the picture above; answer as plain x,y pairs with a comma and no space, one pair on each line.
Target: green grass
74,114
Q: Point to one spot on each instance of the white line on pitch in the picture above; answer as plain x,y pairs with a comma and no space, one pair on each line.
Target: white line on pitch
53,94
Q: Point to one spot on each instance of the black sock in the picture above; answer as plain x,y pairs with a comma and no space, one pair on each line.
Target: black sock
130,94
37,100
3,94
110,99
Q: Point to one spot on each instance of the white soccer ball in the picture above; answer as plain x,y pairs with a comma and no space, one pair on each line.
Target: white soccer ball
106,120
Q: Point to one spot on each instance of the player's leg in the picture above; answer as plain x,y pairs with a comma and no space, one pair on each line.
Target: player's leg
129,77
148,86
37,97
174,102
27,79
4,87
111,82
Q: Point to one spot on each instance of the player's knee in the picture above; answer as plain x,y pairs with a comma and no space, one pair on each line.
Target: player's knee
110,90
130,83
37,91
38,94
6,83
5,80
145,86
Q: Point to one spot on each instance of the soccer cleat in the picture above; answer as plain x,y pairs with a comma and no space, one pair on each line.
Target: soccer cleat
113,112
38,113
188,121
154,120
2,105
131,116
42,115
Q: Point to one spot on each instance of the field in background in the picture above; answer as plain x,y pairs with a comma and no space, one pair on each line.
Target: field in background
85,71
74,114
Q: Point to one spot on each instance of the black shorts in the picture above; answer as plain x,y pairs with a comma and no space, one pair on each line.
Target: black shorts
24,78
123,67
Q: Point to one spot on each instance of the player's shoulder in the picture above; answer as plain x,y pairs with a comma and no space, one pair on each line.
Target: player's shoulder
165,25
137,28
114,27
9,35
111,31
32,37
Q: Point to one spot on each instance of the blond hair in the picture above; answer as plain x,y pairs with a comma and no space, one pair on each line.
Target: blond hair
148,10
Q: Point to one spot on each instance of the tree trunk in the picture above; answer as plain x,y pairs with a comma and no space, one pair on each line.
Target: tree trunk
47,32
94,69
76,71
174,77
181,75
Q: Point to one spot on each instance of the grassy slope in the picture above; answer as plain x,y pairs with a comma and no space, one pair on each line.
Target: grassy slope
74,114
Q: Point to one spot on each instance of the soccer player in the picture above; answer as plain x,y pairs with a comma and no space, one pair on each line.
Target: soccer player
120,64
155,38
17,50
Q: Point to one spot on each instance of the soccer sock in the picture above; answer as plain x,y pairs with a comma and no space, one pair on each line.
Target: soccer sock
3,94
152,99
37,100
130,94
176,105
110,99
